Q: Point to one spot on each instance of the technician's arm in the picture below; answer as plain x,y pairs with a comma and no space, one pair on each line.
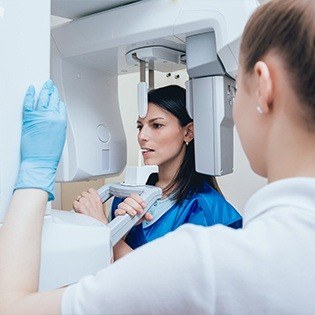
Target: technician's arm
20,239
171,275
43,136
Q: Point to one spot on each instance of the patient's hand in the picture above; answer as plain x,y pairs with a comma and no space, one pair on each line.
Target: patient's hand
90,203
133,205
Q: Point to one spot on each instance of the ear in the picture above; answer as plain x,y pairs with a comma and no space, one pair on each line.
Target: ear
189,132
264,81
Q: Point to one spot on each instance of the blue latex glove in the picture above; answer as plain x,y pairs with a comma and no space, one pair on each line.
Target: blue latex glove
43,137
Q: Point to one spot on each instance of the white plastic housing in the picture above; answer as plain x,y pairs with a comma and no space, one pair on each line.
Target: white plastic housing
213,101
96,143
142,88
102,40
138,175
100,43
73,245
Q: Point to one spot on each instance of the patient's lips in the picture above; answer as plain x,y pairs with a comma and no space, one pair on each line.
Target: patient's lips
146,152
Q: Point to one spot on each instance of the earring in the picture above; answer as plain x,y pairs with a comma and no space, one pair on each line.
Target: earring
260,111
186,142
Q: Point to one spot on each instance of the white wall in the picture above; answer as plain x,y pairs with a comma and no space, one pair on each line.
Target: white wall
24,60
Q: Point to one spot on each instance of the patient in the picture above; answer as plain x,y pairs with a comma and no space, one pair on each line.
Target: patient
166,137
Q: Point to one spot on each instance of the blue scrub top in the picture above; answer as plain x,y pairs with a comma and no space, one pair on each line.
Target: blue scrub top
206,208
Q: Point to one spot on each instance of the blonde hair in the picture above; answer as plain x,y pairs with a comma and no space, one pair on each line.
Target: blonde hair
288,28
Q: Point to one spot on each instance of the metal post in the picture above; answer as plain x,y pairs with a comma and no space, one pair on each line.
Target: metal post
142,71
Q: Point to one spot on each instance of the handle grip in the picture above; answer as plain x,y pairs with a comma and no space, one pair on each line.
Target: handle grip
122,224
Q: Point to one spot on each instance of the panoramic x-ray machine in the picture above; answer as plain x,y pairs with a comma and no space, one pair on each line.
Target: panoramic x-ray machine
87,56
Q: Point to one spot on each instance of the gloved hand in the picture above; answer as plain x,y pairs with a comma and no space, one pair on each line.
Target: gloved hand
43,137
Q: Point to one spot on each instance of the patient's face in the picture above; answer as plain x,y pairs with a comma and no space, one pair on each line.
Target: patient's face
161,138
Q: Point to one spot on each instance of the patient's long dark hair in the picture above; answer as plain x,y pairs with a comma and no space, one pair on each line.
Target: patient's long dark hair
186,181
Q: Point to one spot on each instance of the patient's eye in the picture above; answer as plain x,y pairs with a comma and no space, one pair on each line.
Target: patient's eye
157,126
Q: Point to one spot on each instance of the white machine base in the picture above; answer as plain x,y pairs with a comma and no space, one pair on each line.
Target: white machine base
69,242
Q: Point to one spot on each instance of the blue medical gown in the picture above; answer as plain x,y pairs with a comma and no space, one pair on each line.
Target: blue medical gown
206,208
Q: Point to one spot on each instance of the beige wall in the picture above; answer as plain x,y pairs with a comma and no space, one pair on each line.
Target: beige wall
67,192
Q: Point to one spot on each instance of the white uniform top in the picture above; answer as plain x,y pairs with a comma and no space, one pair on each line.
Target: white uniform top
268,267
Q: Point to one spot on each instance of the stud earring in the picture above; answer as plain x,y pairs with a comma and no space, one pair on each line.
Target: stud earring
260,111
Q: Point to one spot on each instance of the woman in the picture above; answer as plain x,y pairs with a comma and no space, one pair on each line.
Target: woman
166,139
265,268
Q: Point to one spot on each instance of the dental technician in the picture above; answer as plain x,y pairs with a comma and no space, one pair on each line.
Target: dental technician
265,268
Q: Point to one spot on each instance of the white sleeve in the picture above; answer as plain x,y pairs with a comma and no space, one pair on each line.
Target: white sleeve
172,275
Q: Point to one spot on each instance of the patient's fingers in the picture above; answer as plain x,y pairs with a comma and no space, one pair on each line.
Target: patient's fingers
90,203
134,202
120,212
138,199
125,206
